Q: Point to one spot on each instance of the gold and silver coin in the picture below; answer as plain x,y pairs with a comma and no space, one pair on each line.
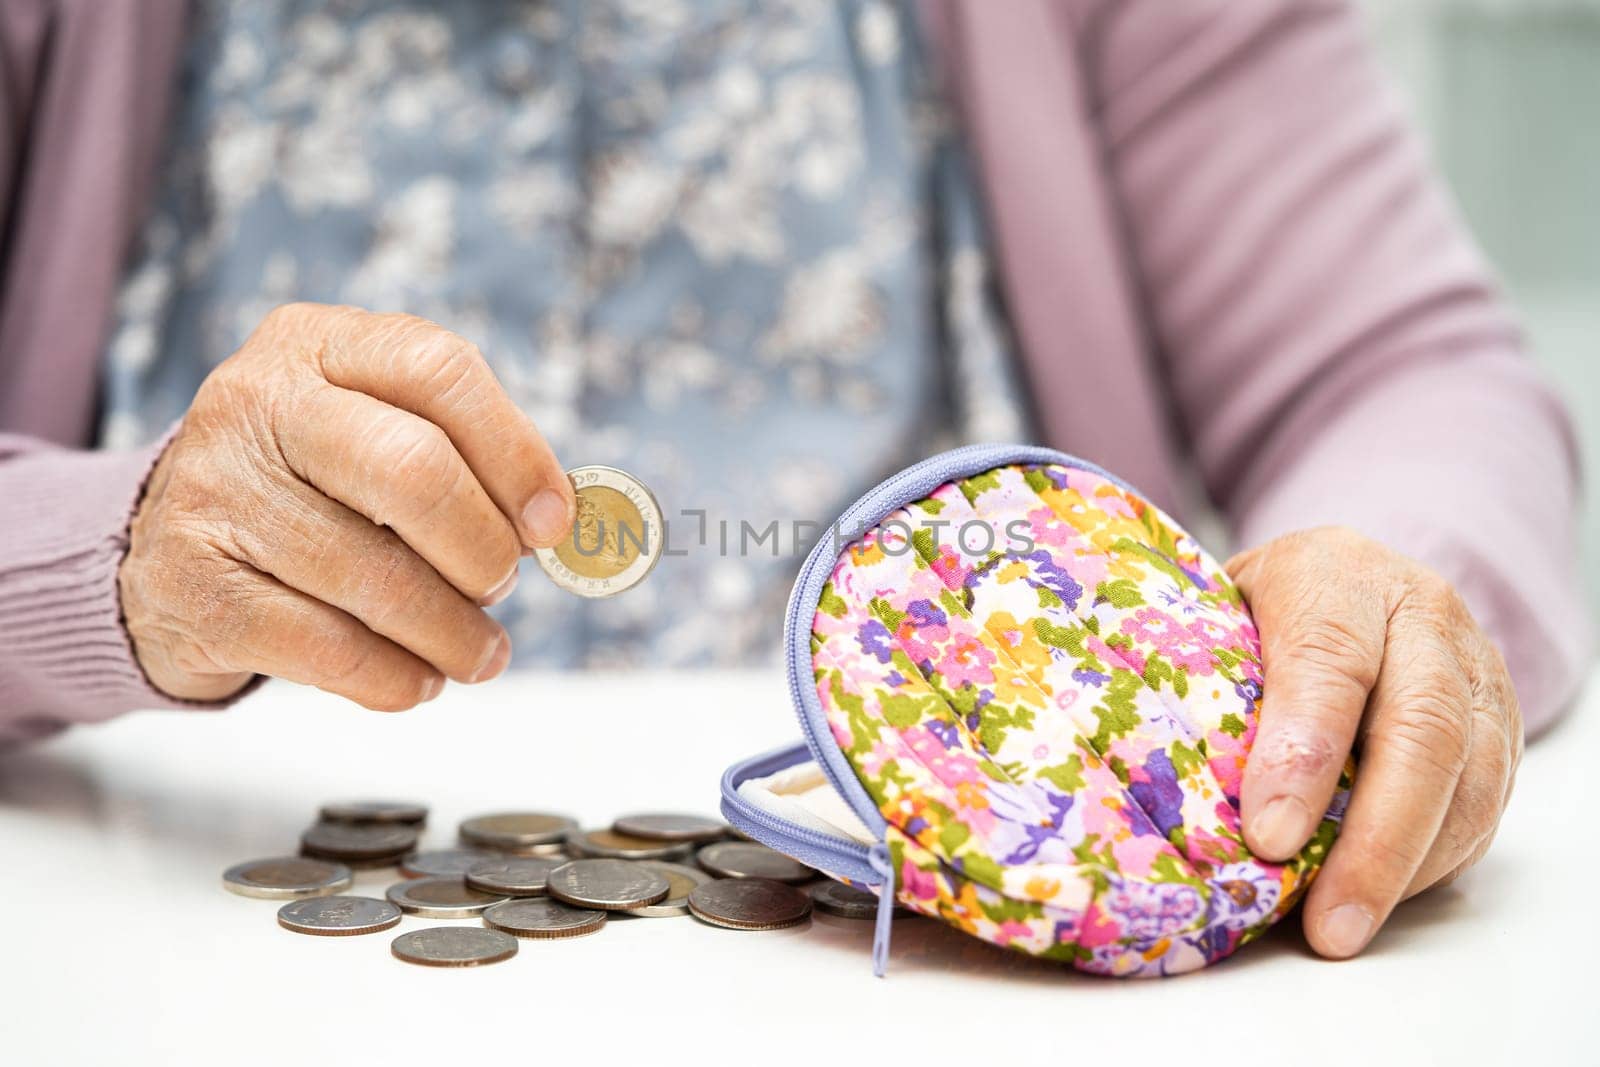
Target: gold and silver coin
749,904
611,845
617,537
453,946
338,916
360,845
541,917
524,833
287,878
681,881
440,898
671,826
514,876
741,859
375,811
611,885
444,862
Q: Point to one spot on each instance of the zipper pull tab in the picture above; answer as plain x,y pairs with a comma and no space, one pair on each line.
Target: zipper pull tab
878,856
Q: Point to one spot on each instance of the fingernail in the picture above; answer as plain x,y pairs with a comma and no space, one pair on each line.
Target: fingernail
496,661
546,517
1346,929
435,687
1282,827
501,591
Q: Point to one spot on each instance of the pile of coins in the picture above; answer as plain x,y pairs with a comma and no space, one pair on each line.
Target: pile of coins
532,875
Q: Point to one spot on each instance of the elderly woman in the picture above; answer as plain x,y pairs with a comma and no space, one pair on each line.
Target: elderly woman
745,250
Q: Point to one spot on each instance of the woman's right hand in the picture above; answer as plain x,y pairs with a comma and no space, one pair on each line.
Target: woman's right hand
346,493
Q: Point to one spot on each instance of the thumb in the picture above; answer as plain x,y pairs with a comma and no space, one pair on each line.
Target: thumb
1322,629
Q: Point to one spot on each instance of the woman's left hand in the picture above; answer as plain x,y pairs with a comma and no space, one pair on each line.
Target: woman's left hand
1364,647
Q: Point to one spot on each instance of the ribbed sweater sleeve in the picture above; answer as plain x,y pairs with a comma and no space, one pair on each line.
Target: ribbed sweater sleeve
65,656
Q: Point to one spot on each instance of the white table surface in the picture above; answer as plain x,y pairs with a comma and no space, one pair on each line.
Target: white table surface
120,945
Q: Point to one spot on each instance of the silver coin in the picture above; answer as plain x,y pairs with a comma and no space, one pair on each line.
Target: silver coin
440,898
612,885
519,876
611,845
543,918
616,540
454,946
681,881
375,811
338,916
444,862
371,842
741,859
749,904
846,901
286,878
519,832
666,826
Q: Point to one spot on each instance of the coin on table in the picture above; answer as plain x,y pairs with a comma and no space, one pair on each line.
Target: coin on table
440,898
514,876
610,845
666,826
517,831
402,811
749,904
444,862
681,881
286,878
741,859
612,885
846,901
359,844
454,946
338,916
617,536
544,918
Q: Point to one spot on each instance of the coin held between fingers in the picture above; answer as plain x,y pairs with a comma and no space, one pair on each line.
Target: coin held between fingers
618,535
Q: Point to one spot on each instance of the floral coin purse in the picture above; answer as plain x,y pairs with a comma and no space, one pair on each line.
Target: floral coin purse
1027,696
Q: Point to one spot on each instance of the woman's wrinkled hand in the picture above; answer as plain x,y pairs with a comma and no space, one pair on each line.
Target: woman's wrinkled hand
1364,647
346,493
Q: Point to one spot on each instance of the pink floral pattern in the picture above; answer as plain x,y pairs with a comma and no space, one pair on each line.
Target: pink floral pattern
1055,728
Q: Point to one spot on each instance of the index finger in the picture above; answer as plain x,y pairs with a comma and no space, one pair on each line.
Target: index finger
1413,753
424,368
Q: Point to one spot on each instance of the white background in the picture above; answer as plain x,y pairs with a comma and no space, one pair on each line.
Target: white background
120,946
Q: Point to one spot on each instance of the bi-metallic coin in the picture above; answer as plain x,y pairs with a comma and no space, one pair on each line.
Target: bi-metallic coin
749,904
669,826
542,917
440,898
611,885
453,946
286,878
522,832
611,845
617,537
681,881
741,859
338,916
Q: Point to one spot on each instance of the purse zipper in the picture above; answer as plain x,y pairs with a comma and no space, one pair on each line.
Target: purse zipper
911,484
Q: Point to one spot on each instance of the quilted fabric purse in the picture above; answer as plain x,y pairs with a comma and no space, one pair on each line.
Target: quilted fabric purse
1035,694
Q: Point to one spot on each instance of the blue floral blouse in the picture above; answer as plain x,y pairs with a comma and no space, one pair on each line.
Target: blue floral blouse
731,246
